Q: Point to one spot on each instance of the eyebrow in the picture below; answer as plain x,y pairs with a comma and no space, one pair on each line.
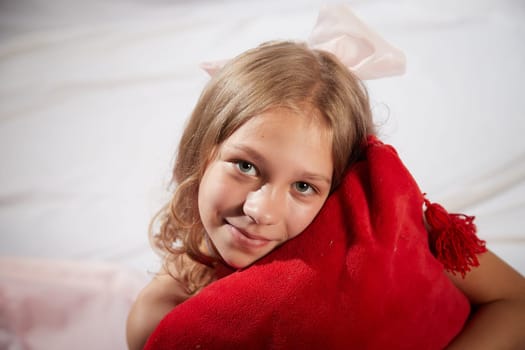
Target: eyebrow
251,152
260,159
317,177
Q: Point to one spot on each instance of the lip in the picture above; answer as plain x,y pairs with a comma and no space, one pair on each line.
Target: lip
246,239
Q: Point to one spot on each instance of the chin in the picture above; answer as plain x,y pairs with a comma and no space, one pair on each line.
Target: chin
239,262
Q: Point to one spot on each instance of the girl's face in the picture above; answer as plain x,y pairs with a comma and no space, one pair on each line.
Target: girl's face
266,184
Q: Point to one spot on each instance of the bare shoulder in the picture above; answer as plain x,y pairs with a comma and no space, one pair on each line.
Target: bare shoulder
156,300
492,280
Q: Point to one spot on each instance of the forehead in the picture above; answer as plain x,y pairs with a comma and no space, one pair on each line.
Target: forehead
274,121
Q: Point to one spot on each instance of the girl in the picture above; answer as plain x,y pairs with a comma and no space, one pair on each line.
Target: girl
264,155
268,140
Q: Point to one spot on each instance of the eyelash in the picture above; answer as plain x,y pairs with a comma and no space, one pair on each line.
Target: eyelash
240,163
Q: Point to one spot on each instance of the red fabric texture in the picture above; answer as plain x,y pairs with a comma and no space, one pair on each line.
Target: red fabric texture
361,276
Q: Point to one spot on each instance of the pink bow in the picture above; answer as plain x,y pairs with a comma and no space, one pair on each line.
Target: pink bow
357,46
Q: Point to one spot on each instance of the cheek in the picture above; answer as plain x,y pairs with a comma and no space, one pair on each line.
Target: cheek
301,217
209,190
217,191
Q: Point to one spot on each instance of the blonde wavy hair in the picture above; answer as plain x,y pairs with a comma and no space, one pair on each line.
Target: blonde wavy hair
275,74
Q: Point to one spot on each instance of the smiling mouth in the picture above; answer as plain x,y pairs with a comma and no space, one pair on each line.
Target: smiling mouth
246,239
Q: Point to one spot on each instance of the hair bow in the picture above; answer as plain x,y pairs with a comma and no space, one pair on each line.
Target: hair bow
357,46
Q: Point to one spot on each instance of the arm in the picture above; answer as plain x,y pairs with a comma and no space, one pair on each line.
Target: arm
497,293
156,300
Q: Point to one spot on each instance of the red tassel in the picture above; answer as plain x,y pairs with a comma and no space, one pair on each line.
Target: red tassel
453,239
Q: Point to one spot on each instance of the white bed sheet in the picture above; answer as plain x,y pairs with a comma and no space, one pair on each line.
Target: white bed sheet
93,96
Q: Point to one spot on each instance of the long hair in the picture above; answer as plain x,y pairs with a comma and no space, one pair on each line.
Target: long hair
276,74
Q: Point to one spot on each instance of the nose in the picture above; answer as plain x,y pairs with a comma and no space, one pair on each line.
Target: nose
265,205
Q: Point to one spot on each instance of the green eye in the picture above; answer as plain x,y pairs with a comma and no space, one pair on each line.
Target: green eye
303,187
246,167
